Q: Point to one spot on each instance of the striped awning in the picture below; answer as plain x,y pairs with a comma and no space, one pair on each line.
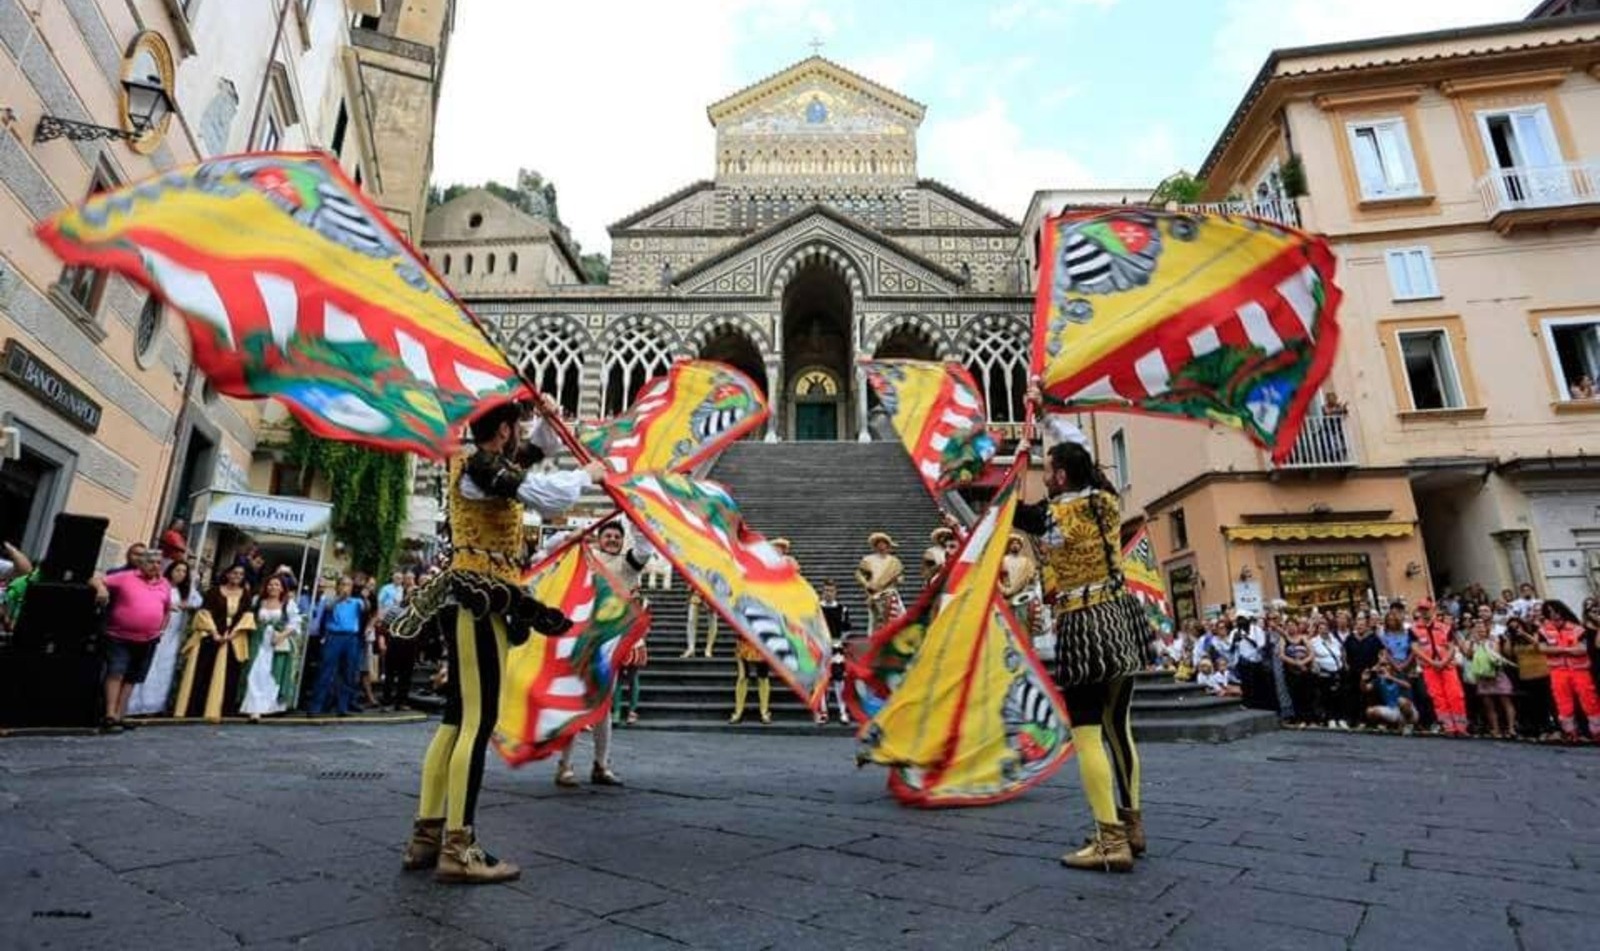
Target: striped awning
1316,531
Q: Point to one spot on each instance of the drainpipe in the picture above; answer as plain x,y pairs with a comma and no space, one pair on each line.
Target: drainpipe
266,73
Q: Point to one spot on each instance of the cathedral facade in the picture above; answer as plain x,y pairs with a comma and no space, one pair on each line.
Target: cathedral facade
815,244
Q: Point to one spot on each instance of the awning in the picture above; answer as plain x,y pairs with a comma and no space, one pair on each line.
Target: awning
1315,531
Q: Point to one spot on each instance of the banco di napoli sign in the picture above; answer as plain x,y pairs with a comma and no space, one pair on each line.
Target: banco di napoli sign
270,513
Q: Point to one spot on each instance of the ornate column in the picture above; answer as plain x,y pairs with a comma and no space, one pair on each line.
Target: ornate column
774,397
859,378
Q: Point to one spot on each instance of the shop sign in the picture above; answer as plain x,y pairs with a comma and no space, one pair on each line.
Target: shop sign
19,365
270,513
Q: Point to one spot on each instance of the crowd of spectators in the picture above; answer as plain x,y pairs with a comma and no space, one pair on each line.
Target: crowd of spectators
1512,667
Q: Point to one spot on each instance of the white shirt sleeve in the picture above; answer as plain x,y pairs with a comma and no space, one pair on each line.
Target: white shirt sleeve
548,493
7,566
543,435
1058,429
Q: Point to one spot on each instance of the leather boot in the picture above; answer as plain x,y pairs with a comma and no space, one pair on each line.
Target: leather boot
1133,821
462,861
422,851
1108,851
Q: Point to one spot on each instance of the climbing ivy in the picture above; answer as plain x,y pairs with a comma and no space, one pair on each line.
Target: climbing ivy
369,489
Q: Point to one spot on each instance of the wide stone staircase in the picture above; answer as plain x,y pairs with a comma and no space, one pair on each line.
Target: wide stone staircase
826,497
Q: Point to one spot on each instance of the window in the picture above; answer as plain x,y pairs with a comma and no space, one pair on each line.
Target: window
1574,345
468,265
1119,459
1180,530
1430,370
217,121
271,134
147,332
1384,164
1411,275
513,262
998,362
488,266
636,357
367,21
288,480
554,360
447,264
82,285
1524,158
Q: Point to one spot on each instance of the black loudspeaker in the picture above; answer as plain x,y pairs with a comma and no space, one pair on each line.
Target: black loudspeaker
50,676
74,548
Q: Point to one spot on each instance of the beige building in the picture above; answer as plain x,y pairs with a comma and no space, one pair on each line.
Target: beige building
101,414
1457,176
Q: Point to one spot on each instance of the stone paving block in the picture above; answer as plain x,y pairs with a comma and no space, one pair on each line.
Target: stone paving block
596,892
1385,929
1033,937
509,917
1240,857
65,892
173,931
824,866
1466,888
912,924
1148,882
1508,867
614,937
1117,923
928,886
920,852
708,923
1542,930
219,873
165,843
396,932
1216,929
288,910
1331,844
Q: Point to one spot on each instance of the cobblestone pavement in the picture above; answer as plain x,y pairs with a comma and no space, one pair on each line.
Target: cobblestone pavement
205,837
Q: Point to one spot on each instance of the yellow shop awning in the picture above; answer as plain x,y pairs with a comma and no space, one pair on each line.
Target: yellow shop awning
1316,531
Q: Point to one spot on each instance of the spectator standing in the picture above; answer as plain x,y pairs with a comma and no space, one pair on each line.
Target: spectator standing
215,650
132,561
138,603
277,628
174,546
1327,666
1531,674
344,618
1561,640
1487,663
1361,652
1527,605
1436,653
400,661
151,696
1294,652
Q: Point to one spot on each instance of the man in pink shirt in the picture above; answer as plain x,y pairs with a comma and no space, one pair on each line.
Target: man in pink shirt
138,603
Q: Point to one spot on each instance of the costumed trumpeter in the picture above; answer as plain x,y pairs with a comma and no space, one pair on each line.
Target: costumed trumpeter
478,606
1102,639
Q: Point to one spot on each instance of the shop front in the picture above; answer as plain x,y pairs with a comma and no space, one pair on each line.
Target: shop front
1330,566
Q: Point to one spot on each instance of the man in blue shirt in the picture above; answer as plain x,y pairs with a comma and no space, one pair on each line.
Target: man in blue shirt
343,622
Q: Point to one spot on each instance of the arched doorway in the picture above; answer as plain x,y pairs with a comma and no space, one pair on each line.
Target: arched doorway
818,323
907,342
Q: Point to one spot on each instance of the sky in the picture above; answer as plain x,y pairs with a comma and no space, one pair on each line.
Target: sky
607,98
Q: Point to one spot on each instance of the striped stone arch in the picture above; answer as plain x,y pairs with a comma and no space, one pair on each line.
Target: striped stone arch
995,349
817,251
919,325
630,325
552,350
742,324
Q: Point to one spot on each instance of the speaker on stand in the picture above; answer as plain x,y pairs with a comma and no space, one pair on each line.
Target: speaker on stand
51,673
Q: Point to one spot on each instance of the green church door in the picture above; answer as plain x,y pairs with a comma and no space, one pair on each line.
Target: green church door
816,421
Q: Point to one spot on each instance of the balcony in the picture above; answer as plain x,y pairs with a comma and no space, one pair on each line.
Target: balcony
1282,210
1521,196
1324,443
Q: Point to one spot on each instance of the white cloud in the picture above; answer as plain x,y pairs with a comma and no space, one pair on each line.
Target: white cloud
899,67
1251,29
606,99
983,154
1009,14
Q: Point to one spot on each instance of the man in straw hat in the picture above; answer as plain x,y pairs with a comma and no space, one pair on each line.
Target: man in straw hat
880,573
933,557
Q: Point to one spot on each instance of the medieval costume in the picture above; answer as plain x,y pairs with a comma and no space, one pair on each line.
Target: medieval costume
477,606
217,648
625,566
1102,640
1019,582
933,557
752,665
880,573
277,630
838,618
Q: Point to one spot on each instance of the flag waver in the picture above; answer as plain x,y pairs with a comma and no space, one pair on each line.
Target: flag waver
938,412
968,715
698,527
555,687
294,286
679,420
1210,317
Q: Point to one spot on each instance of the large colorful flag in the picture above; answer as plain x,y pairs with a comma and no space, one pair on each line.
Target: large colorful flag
679,420
296,287
1143,578
697,526
1209,317
554,687
972,718
937,409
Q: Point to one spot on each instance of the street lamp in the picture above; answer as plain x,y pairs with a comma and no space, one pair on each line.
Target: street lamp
149,104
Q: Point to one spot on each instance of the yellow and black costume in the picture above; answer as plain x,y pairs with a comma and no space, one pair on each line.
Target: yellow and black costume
478,607
1102,640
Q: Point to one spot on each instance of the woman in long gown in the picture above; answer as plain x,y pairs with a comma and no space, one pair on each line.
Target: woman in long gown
217,646
151,696
277,620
